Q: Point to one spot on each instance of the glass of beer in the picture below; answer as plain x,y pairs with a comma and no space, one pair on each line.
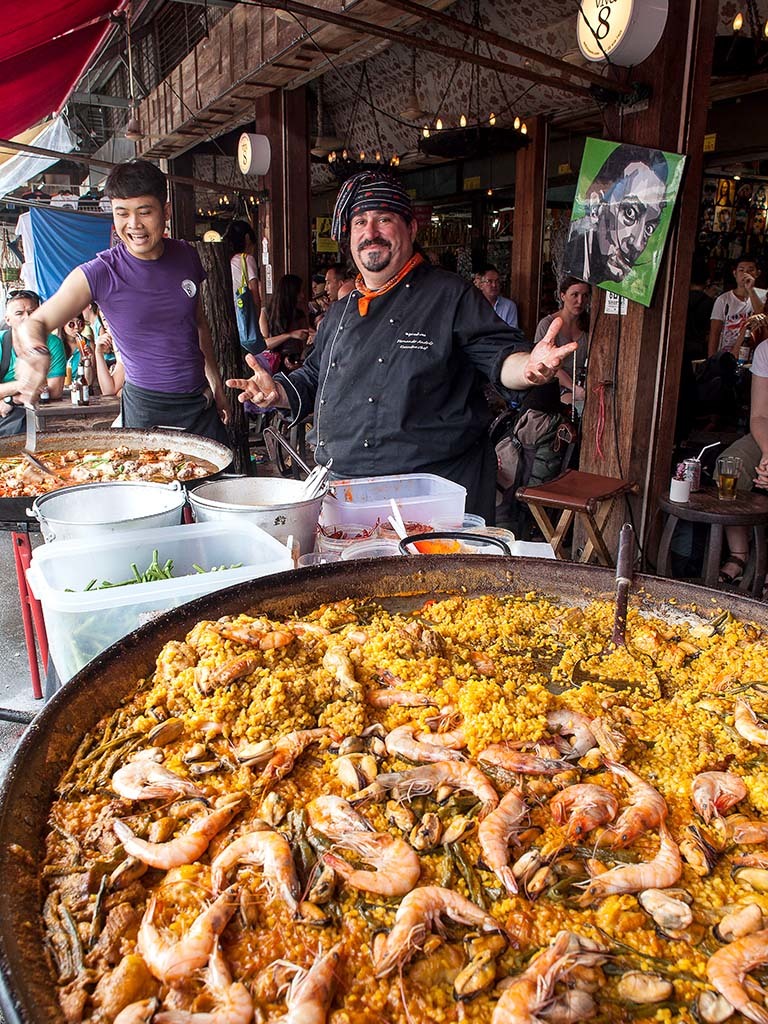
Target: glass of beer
728,471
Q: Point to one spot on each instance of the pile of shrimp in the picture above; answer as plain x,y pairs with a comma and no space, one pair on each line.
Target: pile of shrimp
466,813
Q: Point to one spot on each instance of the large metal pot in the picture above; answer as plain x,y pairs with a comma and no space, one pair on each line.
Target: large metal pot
74,513
274,504
27,993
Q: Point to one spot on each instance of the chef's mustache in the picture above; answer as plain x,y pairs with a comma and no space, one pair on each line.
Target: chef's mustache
378,241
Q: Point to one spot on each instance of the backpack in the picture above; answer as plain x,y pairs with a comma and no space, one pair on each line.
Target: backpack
532,447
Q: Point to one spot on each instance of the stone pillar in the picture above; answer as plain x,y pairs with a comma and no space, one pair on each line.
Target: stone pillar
528,225
634,365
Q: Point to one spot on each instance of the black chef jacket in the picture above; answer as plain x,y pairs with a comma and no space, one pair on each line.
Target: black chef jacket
400,390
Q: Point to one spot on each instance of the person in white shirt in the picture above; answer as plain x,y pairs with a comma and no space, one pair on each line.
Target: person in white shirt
752,449
489,283
731,309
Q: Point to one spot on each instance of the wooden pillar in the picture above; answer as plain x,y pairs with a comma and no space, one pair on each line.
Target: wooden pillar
528,226
282,116
635,360
219,309
182,199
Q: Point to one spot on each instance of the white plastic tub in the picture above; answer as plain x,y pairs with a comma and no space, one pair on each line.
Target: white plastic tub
421,498
80,624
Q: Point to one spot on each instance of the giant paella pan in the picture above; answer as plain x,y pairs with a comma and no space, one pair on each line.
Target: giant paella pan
408,791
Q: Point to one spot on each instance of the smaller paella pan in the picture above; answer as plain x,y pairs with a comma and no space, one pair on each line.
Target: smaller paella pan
108,455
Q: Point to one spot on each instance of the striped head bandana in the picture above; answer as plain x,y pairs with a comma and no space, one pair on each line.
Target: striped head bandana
368,190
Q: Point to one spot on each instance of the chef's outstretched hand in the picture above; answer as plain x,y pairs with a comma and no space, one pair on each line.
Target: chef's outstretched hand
261,388
547,357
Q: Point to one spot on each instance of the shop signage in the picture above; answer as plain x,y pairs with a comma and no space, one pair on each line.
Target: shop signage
253,153
612,303
323,240
422,214
470,183
627,31
710,141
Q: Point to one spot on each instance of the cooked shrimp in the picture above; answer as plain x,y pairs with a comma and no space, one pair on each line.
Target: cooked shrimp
584,806
257,633
647,809
208,679
334,817
397,864
502,756
183,849
272,853
427,778
564,722
388,698
495,832
403,742
287,749
140,1012
713,793
147,780
531,994
728,968
338,663
310,628
310,992
747,724
660,873
453,738
174,961
233,1000
419,914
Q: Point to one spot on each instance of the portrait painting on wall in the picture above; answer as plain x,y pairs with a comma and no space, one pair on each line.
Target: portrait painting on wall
621,216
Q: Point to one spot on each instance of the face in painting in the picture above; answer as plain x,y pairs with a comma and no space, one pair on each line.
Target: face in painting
627,215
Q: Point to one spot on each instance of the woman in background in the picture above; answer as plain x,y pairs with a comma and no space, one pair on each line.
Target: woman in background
71,334
574,312
286,326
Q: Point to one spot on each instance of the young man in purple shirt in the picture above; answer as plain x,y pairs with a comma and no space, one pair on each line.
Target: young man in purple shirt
148,288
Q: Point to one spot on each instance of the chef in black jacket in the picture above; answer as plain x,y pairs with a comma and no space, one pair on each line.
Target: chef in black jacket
395,376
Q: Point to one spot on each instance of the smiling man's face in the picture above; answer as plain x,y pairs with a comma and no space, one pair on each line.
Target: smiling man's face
140,224
381,243
628,214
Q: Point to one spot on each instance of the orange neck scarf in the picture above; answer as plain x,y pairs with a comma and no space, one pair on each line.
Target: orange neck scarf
369,294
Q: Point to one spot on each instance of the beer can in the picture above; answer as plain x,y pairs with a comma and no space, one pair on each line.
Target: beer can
692,472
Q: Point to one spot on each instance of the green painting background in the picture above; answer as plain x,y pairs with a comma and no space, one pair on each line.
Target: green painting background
639,283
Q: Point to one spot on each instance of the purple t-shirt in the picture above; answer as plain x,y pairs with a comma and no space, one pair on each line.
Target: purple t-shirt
150,306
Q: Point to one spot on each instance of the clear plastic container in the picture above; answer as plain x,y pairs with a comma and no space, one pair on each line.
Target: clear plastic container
317,558
469,521
81,624
387,532
338,536
421,497
376,547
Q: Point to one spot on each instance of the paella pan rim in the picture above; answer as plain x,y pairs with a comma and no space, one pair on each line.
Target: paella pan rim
27,990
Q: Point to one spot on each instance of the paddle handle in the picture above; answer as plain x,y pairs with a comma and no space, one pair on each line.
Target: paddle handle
624,566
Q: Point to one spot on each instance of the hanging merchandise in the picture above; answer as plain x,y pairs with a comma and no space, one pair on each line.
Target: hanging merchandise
10,268
63,239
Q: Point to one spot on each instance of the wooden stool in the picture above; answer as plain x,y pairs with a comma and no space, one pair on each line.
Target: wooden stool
749,509
584,494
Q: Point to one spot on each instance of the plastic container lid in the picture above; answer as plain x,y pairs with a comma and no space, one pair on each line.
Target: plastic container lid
338,536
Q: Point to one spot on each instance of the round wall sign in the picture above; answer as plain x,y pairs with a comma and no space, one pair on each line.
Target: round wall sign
627,31
253,153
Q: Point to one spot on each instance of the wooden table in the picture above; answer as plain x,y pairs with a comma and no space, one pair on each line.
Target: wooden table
61,414
750,509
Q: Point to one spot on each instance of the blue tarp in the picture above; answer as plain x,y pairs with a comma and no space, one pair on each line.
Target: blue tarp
63,239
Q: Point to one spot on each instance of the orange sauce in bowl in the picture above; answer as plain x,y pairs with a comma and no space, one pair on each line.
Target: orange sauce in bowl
437,547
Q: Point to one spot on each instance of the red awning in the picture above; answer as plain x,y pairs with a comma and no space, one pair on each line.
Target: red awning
45,47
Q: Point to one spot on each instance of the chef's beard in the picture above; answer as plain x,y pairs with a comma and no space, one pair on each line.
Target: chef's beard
379,260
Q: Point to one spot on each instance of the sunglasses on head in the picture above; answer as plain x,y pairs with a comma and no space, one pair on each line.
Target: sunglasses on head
24,293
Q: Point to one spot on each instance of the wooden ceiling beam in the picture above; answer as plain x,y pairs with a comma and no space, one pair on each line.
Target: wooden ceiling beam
492,38
419,43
